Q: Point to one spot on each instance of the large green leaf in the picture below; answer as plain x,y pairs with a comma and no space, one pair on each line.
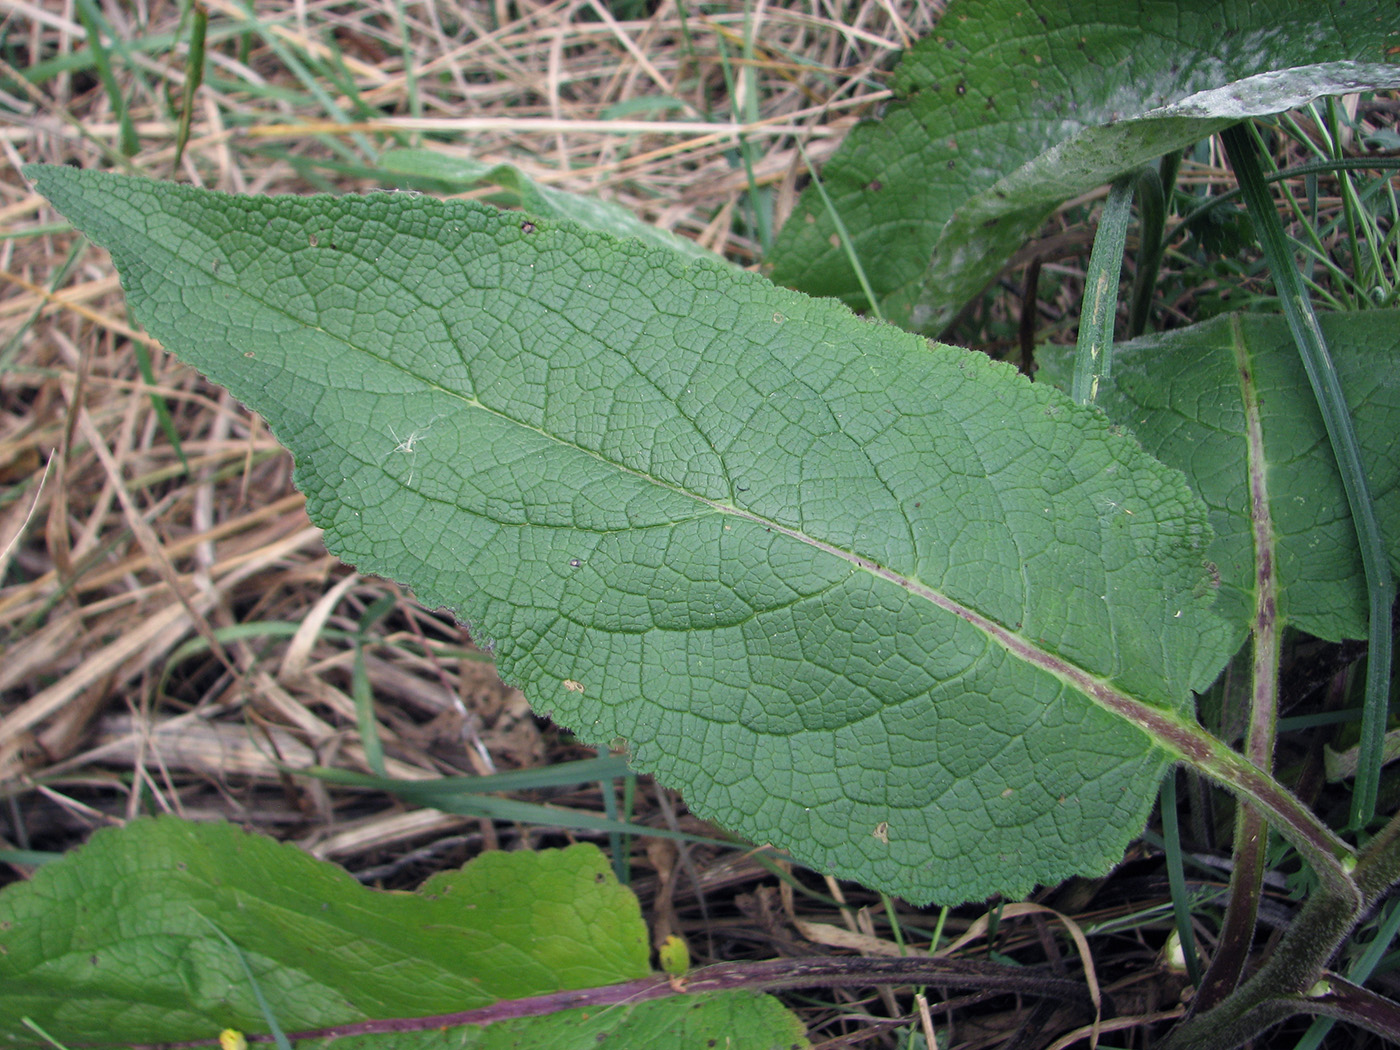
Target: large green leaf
1189,395
114,944
872,599
1014,106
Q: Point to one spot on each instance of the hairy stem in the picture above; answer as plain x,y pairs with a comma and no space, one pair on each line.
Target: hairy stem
1349,1002
1281,987
1271,995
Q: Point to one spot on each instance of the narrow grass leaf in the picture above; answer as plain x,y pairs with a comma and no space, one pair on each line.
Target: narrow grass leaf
269,1016
459,795
1093,358
194,77
95,25
1176,879
1153,186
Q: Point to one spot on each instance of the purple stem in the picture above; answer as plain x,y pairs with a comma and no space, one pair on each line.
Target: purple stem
766,976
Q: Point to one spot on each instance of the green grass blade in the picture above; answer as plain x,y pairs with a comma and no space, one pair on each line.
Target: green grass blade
847,244
410,73
194,76
60,275
760,207
310,81
467,796
1152,191
162,410
42,1034
1373,270
360,689
278,1035
334,69
30,857
94,24
1094,358
1176,878
1315,167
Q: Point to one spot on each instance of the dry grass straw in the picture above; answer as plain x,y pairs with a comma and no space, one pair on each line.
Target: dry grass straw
115,559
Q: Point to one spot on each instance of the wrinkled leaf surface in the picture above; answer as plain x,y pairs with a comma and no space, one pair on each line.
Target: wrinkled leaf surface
865,597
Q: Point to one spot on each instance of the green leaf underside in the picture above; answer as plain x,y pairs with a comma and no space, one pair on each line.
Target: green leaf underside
1012,107
848,590
111,944
1181,394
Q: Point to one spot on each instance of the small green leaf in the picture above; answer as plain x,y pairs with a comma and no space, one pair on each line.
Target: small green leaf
113,944
1012,107
823,576
1183,393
